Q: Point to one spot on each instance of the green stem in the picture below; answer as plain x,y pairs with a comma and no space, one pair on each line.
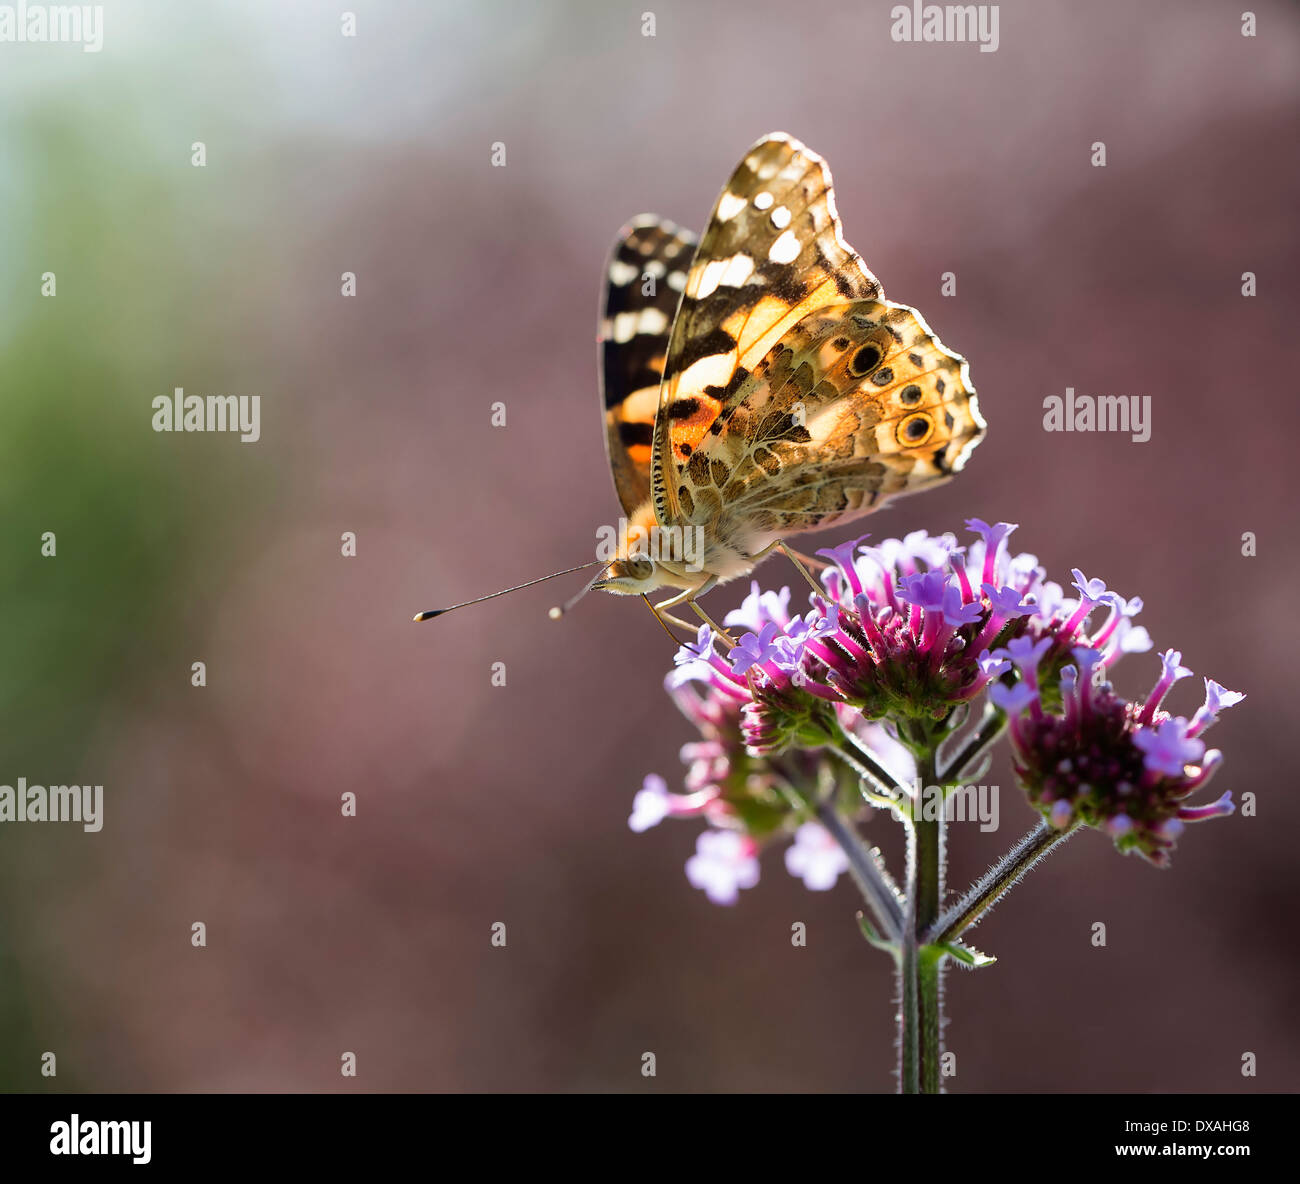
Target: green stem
997,882
990,728
877,889
879,783
921,966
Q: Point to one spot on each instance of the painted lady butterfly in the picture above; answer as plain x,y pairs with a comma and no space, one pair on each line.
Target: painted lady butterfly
757,383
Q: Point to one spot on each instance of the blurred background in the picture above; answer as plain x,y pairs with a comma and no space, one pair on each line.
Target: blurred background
479,803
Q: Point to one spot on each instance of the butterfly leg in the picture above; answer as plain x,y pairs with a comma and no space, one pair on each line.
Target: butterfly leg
794,557
665,619
809,560
803,571
726,637
688,597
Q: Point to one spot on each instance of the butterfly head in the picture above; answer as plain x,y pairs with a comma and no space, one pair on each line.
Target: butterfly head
630,575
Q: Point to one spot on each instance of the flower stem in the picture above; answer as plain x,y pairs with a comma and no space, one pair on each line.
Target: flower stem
921,967
865,765
990,728
877,889
996,882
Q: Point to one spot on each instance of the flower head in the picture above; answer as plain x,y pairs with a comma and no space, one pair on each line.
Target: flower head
915,641
1123,767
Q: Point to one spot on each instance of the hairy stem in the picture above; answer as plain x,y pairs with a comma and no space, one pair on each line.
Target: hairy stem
873,882
920,988
990,728
997,882
882,784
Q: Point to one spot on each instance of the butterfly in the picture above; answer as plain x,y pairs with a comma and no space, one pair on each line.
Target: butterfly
756,384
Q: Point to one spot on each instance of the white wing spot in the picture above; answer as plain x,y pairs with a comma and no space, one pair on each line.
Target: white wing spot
780,217
738,271
677,280
714,370
653,320
785,249
646,320
710,278
729,205
730,272
762,201
621,273
655,268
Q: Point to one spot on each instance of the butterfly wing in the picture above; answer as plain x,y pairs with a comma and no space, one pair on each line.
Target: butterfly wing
773,252
794,394
858,402
644,281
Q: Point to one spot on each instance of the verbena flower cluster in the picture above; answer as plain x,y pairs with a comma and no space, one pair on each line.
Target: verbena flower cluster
902,635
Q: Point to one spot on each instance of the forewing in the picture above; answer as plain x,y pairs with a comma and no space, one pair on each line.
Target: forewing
773,252
643,283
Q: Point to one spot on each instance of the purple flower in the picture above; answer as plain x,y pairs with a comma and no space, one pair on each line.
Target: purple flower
1090,590
701,647
758,608
1171,672
1217,699
725,861
754,649
650,806
993,665
992,538
1008,601
925,590
801,632
841,562
653,803
1026,654
1013,699
1216,809
911,640
910,630
815,857
1167,748
1126,768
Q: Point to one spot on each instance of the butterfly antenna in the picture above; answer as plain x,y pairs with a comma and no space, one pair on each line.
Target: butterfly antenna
437,612
557,611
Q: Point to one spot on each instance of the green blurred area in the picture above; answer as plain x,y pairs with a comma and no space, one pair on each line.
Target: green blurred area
141,520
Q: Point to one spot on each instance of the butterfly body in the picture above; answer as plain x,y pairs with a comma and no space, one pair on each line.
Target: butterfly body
758,384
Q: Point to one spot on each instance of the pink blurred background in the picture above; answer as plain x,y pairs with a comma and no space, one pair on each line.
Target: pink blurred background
480,804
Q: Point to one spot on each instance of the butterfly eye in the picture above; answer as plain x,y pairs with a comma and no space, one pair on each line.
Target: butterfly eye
914,430
639,567
865,360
